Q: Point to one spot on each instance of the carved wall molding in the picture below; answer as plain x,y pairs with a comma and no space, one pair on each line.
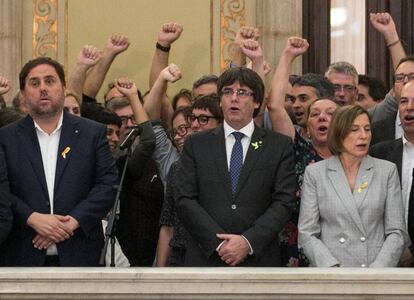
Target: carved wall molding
232,16
45,28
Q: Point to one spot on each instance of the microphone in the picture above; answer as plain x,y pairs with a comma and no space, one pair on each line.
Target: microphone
135,131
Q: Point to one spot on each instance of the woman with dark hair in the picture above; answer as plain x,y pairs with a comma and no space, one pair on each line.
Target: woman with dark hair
351,212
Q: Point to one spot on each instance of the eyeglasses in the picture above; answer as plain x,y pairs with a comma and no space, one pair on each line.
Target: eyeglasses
346,88
181,130
241,93
401,77
125,119
202,119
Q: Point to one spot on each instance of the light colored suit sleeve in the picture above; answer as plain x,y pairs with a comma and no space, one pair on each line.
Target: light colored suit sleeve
394,227
309,226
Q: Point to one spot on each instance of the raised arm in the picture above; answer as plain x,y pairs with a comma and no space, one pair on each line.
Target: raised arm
145,148
4,85
87,58
169,33
128,88
115,45
245,33
155,98
385,25
280,119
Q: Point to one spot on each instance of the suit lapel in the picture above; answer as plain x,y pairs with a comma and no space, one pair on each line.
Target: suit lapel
363,180
220,158
67,145
396,154
30,146
340,184
253,153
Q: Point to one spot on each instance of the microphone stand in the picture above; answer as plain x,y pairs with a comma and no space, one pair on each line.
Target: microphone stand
114,217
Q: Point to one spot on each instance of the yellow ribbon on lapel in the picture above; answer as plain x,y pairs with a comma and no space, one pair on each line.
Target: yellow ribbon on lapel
362,187
66,151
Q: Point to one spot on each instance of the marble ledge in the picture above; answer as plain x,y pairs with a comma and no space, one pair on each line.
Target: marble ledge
206,283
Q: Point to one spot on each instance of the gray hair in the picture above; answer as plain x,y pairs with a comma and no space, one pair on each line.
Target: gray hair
343,67
117,103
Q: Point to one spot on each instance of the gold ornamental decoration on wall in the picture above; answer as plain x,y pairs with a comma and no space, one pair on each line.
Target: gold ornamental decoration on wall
45,28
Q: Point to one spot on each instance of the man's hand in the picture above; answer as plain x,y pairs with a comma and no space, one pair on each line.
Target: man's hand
88,56
252,50
246,33
295,46
126,86
407,258
54,227
171,73
169,33
41,242
4,85
234,250
116,44
385,25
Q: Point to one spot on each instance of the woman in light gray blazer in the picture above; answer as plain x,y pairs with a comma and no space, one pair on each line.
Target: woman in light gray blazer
351,213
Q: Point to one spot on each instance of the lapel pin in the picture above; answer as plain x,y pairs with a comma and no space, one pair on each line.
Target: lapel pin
362,187
76,131
256,145
66,151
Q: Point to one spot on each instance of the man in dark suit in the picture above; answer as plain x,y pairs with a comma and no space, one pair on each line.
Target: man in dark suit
6,215
385,122
61,176
236,183
401,152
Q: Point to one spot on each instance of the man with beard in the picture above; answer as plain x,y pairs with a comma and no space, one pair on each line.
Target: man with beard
61,176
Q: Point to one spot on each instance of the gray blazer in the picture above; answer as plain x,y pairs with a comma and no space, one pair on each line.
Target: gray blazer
353,229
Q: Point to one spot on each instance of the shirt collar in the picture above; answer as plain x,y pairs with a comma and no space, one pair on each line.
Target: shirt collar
59,125
246,130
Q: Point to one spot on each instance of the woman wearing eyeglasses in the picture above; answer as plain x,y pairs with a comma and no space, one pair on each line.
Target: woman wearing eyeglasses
203,115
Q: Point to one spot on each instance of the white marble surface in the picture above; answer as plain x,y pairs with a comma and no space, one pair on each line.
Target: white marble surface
208,283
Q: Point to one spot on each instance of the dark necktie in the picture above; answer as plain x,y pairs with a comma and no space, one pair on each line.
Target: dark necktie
236,160
410,220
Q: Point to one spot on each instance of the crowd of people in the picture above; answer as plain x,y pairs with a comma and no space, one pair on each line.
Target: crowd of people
316,170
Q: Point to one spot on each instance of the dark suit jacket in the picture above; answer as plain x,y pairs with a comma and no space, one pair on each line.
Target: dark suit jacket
6,214
393,152
83,189
260,207
383,130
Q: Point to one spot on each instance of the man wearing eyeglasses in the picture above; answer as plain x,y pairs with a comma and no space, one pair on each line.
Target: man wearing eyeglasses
386,123
235,184
206,113
344,77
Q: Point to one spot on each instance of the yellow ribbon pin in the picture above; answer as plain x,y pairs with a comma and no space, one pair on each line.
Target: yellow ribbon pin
66,151
256,145
362,187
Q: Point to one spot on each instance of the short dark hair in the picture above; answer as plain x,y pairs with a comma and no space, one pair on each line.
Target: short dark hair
182,93
106,117
405,59
41,61
341,124
9,115
185,111
211,103
205,79
376,88
245,77
323,87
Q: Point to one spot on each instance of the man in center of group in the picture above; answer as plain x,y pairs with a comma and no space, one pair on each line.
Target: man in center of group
235,184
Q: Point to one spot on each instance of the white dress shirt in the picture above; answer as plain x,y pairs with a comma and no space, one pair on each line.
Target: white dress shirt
399,131
49,146
230,139
245,141
407,174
